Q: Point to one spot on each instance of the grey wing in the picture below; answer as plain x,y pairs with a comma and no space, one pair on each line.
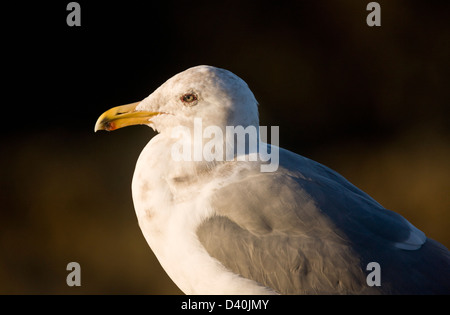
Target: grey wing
306,230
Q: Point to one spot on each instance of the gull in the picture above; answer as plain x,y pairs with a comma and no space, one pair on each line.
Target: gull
224,226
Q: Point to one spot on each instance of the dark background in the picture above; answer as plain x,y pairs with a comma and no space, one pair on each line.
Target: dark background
370,102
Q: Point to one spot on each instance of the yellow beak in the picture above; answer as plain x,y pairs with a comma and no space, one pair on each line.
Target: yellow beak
122,116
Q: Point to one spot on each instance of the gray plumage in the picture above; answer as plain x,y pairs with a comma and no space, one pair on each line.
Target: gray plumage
315,234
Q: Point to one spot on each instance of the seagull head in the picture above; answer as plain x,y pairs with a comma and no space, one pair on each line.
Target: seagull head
215,95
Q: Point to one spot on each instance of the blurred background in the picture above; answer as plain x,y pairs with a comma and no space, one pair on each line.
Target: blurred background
370,102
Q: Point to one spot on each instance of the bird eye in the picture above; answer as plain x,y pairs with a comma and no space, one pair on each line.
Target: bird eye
189,99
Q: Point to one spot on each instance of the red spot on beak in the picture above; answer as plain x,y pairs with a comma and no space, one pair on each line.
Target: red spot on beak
110,126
